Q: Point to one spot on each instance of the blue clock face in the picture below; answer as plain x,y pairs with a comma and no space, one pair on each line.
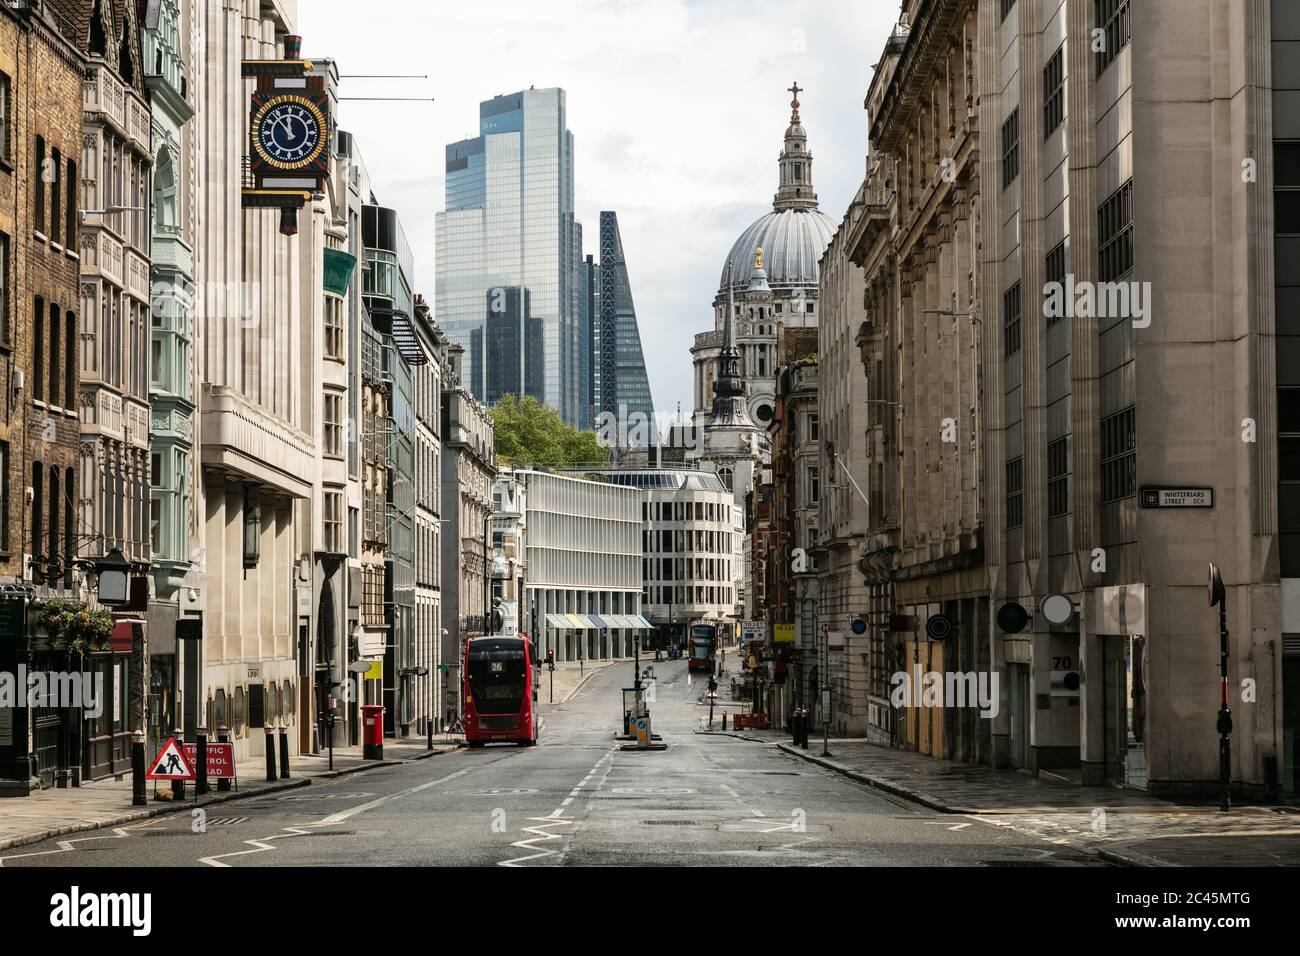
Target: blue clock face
289,133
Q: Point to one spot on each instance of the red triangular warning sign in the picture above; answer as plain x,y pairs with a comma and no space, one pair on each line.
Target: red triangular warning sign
170,764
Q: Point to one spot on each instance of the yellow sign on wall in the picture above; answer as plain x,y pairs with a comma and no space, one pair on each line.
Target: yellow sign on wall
782,633
376,671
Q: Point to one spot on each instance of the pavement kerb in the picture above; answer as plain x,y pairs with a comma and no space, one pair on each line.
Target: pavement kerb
1130,858
212,798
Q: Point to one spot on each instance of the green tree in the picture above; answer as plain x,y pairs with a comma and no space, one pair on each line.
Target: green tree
527,432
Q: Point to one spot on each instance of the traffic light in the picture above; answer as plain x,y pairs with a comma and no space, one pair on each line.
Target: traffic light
713,684
550,659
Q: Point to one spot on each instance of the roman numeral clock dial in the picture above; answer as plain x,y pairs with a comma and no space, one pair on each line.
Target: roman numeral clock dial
288,132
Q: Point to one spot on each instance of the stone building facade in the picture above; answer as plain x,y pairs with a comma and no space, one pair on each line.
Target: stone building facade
41,69
843,512
922,298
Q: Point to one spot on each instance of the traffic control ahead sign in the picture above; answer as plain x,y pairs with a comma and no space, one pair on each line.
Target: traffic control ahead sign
171,764
221,759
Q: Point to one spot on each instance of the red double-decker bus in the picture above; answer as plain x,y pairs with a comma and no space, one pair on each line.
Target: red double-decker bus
703,646
498,691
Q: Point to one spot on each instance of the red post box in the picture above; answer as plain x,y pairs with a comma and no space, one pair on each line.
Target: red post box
372,729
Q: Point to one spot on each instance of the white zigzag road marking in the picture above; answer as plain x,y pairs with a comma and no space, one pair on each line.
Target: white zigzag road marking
260,846
542,835
65,846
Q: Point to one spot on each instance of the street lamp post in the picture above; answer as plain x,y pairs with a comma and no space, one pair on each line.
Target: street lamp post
1219,596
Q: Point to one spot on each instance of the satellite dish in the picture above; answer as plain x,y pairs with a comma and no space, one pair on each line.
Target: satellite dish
359,667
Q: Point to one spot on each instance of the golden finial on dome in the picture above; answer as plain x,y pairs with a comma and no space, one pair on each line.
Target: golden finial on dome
758,258
796,89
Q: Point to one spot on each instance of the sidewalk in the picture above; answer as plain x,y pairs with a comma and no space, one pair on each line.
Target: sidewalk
1126,827
103,803
569,678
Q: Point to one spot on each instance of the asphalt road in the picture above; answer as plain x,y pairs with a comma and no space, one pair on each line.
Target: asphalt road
576,800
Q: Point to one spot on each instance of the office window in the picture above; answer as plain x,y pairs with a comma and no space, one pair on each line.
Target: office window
6,134
1058,478
1011,148
4,497
1115,234
814,486
1119,455
332,425
38,183
332,509
4,289
1054,272
814,428
70,178
1011,315
70,362
333,327
1015,492
1112,20
38,349
56,354
56,194
1054,92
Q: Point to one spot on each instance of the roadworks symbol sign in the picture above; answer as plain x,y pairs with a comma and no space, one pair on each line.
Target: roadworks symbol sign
170,764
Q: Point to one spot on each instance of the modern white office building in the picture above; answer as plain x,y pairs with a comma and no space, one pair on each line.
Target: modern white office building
583,553
689,537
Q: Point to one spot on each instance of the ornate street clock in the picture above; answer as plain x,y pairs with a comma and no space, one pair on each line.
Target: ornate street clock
289,133
290,130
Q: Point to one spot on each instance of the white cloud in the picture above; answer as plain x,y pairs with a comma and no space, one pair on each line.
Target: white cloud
677,108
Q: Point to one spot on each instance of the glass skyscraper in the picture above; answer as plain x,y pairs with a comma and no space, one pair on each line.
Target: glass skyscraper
620,384
509,224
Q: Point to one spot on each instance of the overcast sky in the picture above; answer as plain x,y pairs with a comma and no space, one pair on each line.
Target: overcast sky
677,109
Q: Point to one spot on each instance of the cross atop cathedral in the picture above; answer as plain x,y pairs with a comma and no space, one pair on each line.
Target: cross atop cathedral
794,103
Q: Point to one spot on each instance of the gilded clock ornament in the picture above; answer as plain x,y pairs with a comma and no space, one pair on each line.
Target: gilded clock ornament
289,132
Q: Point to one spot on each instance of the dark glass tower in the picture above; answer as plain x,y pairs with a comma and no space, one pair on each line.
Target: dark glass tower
621,386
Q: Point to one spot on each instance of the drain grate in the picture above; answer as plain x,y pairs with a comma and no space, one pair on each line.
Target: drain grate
670,823
1000,863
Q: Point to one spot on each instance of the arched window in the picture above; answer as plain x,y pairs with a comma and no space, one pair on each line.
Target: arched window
724,475
221,714
239,712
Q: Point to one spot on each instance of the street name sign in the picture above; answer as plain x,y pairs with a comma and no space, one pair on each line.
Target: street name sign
1177,497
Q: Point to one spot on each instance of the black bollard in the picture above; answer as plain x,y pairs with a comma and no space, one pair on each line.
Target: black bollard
201,762
178,786
270,754
284,751
138,793
223,737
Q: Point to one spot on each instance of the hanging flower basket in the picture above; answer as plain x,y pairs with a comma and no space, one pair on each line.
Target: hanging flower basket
74,628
